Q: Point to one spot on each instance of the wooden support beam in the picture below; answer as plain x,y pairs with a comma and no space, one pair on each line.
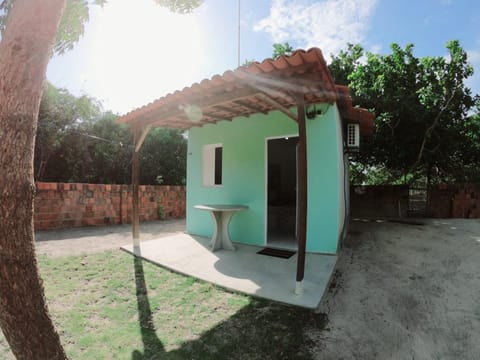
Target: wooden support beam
138,139
142,137
249,106
278,106
135,186
202,101
267,93
212,116
227,110
172,123
302,193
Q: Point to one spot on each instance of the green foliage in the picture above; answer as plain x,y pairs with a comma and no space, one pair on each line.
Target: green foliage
180,6
161,209
78,142
113,306
5,7
106,158
64,150
464,162
60,114
77,14
281,49
247,62
278,50
163,153
345,63
422,107
72,25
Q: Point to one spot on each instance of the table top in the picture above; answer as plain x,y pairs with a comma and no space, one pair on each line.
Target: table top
222,207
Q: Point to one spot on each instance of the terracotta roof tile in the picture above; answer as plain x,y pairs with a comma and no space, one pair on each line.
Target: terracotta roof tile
236,93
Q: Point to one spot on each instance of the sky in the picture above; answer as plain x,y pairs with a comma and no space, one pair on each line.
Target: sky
134,52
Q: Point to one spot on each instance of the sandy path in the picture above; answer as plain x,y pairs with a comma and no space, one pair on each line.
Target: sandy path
87,240
405,292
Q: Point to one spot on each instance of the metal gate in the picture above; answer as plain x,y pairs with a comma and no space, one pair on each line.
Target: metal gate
417,201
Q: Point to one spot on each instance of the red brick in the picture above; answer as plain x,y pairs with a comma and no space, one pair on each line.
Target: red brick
66,205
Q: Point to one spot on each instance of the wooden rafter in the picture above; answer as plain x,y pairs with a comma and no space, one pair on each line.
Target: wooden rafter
302,72
174,123
229,110
278,106
213,116
249,106
201,101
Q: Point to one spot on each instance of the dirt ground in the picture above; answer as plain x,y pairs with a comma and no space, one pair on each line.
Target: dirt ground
88,240
405,292
400,291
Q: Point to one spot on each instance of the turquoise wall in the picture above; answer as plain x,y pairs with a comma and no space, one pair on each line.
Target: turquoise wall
324,182
244,176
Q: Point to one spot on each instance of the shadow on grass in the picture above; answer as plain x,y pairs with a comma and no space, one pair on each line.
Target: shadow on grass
152,346
261,330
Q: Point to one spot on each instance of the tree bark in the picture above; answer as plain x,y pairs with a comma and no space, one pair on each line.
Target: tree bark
25,49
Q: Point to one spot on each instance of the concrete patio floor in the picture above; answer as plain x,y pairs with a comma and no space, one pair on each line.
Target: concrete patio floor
242,270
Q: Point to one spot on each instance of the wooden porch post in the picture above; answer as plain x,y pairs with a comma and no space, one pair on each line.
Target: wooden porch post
135,184
302,193
138,139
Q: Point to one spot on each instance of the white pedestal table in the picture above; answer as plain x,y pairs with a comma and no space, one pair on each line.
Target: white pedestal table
221,214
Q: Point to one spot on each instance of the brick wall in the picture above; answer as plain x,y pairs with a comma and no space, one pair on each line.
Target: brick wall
444,201
60,205
454,201
382,201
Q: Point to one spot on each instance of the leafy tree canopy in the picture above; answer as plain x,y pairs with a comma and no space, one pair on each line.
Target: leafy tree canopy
76,15
423,127
281,49
78,142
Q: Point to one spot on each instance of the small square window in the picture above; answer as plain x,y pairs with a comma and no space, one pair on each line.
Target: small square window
218,165
212,164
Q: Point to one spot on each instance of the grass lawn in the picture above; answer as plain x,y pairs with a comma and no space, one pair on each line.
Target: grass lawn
114,306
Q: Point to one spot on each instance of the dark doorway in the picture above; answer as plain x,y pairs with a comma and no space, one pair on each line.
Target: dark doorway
282,193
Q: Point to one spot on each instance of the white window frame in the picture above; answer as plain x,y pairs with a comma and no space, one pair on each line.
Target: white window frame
208,165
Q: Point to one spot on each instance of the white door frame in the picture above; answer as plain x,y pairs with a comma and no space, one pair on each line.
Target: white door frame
265,239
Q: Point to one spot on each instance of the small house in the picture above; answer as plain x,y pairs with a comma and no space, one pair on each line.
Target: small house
272,136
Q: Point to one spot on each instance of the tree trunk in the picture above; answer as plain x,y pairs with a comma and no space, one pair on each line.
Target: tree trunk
24,53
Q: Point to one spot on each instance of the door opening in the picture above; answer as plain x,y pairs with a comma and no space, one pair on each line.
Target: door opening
282,193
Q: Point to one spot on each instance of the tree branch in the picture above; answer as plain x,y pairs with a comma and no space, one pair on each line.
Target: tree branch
429,131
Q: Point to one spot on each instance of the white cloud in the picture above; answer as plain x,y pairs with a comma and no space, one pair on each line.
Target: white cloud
474,56
329,24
